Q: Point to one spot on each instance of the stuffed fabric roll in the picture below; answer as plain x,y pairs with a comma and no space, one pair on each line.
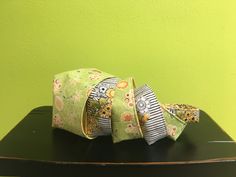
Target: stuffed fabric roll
90,103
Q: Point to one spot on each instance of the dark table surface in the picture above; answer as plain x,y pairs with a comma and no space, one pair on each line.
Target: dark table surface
33,148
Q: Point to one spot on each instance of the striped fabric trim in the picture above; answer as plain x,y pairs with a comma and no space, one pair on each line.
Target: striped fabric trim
107,83
104,124
154,128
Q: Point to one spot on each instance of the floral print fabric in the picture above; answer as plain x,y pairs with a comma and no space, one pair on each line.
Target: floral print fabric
91,103
185,112
70,94
125,122
99,107
175,126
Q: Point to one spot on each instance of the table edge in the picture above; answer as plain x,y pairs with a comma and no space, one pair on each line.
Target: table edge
206,161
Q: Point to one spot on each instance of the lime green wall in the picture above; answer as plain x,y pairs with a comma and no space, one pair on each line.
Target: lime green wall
185,50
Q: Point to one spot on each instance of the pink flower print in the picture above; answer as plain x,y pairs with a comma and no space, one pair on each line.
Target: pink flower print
94,76
56,86
71,118
131,128
171,129
126,116
59,104
76,96
57,121
74,82
129,98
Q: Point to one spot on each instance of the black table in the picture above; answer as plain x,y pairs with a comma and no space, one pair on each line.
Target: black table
33,148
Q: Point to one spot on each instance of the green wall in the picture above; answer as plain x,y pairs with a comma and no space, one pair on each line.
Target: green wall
185,50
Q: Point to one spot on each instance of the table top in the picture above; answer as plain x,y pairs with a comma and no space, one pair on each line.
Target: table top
34,140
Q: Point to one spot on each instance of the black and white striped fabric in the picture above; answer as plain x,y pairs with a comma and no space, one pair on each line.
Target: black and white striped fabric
98,93
148,108
150,114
